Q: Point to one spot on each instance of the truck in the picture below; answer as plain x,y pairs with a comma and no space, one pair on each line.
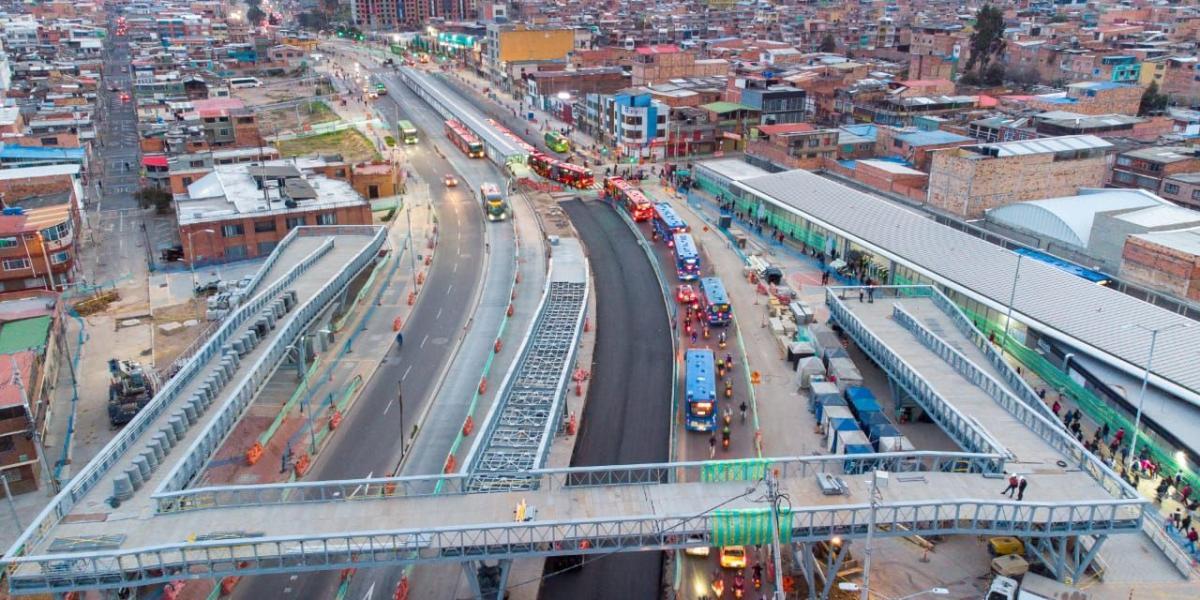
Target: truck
129,390
1032,586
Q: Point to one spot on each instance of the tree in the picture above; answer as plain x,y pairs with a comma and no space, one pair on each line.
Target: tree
151,196
1152,101
993,74
988,39
255,15
828,44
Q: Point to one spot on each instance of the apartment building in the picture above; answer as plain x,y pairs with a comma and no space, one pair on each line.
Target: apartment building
969,180
664,62
1146,168
793,145
38,241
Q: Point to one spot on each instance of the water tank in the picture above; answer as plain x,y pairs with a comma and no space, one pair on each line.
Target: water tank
143,467
179,426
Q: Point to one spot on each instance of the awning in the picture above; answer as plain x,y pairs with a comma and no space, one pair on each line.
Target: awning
154,161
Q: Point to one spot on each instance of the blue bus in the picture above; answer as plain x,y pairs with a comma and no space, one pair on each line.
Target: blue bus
714,302
667,223
701,391
687,257
1095,277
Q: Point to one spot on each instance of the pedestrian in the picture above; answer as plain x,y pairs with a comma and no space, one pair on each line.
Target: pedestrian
1056,407
1012,485
1176,518
1186,521
1021,483
860,295
1192,536
1104,430
712,445
1042,393
1120,436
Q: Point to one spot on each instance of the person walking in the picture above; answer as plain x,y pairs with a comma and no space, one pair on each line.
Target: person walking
712,446
1012,485
1192,536
1056,407
1021,483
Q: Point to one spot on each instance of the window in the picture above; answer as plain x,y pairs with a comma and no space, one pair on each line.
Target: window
265,248
327,219
50,141
896,143
232,230
264,226
1123,177
814,142
1154,167
58,232
1171,188
197,164
9,242
293,222
187,181
1195,194
59,258
16,264
1124,161
235,252
222,132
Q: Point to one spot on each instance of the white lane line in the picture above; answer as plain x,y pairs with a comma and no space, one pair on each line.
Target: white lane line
423,340
449,288
439,315
455,270
370,592
405,376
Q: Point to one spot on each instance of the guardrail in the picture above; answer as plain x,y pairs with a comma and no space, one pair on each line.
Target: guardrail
498,148
951,420
561,478
112,452
240,397
1014,381
219,558
1044,428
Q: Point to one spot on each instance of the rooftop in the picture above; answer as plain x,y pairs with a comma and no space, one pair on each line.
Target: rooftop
726,107
1048,145
232,190
786,128
1183,240
1070,218
932,138
1164,154
891,167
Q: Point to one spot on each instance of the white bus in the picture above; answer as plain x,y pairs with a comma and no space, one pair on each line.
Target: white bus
244,82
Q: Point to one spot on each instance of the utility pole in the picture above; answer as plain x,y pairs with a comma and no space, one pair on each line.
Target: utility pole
876,476
773,498
33,428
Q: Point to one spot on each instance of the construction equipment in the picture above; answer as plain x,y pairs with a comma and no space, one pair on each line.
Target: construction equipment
129,390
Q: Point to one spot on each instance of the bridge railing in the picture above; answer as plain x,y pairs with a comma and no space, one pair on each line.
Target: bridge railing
1048,430
116,448
257,375
964,430
1014,381
556,479
219,558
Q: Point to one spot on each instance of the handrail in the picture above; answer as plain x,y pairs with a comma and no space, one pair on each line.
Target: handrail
965,432
557,478
1015,381
1046,429
217,558
257,375
111,453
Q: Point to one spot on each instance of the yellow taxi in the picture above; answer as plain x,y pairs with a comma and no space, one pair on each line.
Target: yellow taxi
733,557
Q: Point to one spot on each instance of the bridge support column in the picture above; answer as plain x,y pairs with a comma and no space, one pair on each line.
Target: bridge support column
803,557
1068,558
487,582
835,555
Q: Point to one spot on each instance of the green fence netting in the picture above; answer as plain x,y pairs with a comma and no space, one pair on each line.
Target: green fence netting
1093,406
750,469
747,526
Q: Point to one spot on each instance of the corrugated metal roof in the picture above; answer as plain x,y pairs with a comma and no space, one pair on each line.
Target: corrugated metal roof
25,334
1048,145
1065,306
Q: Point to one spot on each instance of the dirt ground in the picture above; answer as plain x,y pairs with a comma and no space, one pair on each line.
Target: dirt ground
294,119
351,144
169,347
276,89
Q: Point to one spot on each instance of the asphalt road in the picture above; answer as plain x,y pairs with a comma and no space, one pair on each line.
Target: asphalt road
627,416
370,445
118,132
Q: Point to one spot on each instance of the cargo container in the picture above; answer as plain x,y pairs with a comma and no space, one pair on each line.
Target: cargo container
824,393
843,372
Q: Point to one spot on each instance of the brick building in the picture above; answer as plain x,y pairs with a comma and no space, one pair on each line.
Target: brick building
1167,261
1147,167
241,211
41,238
916,147
1093,98
793,145
969,180
657,64
1183,189
32,341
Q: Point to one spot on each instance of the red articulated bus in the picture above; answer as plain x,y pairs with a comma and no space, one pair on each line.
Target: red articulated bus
565,173
462,138
635,202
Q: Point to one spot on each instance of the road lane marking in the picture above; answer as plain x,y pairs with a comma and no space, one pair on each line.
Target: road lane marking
423,340
439,315
449,288
370,592
405,376
455,268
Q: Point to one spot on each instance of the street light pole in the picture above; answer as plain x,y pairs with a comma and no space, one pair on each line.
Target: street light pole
1012,297
773,498
1137,421
866,585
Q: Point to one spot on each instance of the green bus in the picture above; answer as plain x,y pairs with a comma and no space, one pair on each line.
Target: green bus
408,133
557,142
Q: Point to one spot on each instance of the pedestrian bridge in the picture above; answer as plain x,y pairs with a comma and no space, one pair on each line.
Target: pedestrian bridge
167,531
